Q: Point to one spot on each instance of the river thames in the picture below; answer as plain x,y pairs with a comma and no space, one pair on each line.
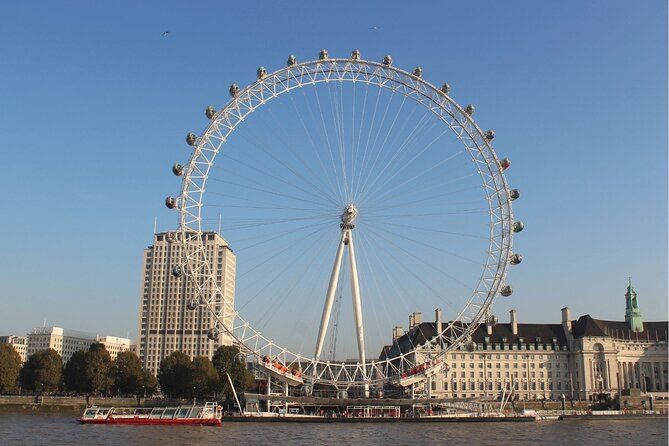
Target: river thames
62,429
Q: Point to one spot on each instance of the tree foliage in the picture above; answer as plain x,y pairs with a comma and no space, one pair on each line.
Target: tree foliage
10,369
75,373
127,374
174,375
227,358
204,378
98,369
42,371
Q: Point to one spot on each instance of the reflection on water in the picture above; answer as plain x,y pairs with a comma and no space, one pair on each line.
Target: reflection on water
61,429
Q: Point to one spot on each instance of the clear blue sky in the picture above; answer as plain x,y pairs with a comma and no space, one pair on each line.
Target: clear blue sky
95,103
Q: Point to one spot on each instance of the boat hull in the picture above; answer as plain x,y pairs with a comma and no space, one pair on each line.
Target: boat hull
154,421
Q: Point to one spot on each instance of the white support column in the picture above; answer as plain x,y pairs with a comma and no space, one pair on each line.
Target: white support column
329,297
357,305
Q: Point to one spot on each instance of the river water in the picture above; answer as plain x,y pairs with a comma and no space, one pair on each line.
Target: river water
61,429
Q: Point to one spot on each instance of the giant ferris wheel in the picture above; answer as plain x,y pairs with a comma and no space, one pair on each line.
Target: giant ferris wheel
352,192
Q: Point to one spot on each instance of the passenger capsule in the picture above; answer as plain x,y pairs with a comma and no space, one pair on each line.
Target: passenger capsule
210,112
212,334
192,304
445,88
170,237
515,259
506,291
514,194
323,55
190,139
490,135
504,163
518,226
492,320
234,90
387,60
177,169
471,345
177,271
261,72
170,202
292,60
470,109
355,55
418,72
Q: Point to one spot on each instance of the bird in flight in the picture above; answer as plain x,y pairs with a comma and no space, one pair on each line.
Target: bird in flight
375,28
166,33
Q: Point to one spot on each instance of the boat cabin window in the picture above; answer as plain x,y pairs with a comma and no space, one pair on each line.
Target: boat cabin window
90,413
157,413
183,412
169,412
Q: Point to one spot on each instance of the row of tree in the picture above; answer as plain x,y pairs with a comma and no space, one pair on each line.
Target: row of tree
93,372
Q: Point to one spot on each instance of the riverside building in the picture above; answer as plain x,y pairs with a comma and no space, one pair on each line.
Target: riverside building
165,323
578,358
67,342
20,344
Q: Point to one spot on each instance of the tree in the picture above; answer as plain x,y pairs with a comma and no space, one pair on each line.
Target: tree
227,360
10,368
204,378
127,374
98,369
75,373
149,383
174,375
42,372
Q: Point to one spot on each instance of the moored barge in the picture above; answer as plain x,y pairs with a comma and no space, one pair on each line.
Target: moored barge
207,415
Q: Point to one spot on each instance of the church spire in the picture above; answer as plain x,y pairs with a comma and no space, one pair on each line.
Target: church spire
632,311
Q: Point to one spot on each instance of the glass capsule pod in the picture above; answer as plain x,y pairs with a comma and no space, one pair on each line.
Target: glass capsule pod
212,334
490,135
470,109
506,291
418,72
514,194
177,271
387,60
234,90
261,72
292,60
355,55
210,112
505,163
516,259
518,226
323,55
170,202
190,139
192,304
445,88
177,169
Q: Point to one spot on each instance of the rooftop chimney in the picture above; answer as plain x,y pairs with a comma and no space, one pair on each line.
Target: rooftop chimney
566,319
437,320
488,326
417,317
398,331
514,322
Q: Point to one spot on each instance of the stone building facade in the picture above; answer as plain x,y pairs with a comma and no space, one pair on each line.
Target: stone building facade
577,358
165,323
66,342
20,344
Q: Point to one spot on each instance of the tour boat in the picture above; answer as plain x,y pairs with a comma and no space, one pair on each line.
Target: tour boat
207,415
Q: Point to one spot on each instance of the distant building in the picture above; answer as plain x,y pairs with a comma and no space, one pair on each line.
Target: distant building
20,344
165,323
67,342
578,358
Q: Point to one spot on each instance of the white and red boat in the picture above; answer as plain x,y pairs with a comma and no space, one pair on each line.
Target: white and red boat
207,415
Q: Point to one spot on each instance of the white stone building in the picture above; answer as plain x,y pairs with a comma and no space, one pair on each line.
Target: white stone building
20,344
578,358
67,342
165,323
